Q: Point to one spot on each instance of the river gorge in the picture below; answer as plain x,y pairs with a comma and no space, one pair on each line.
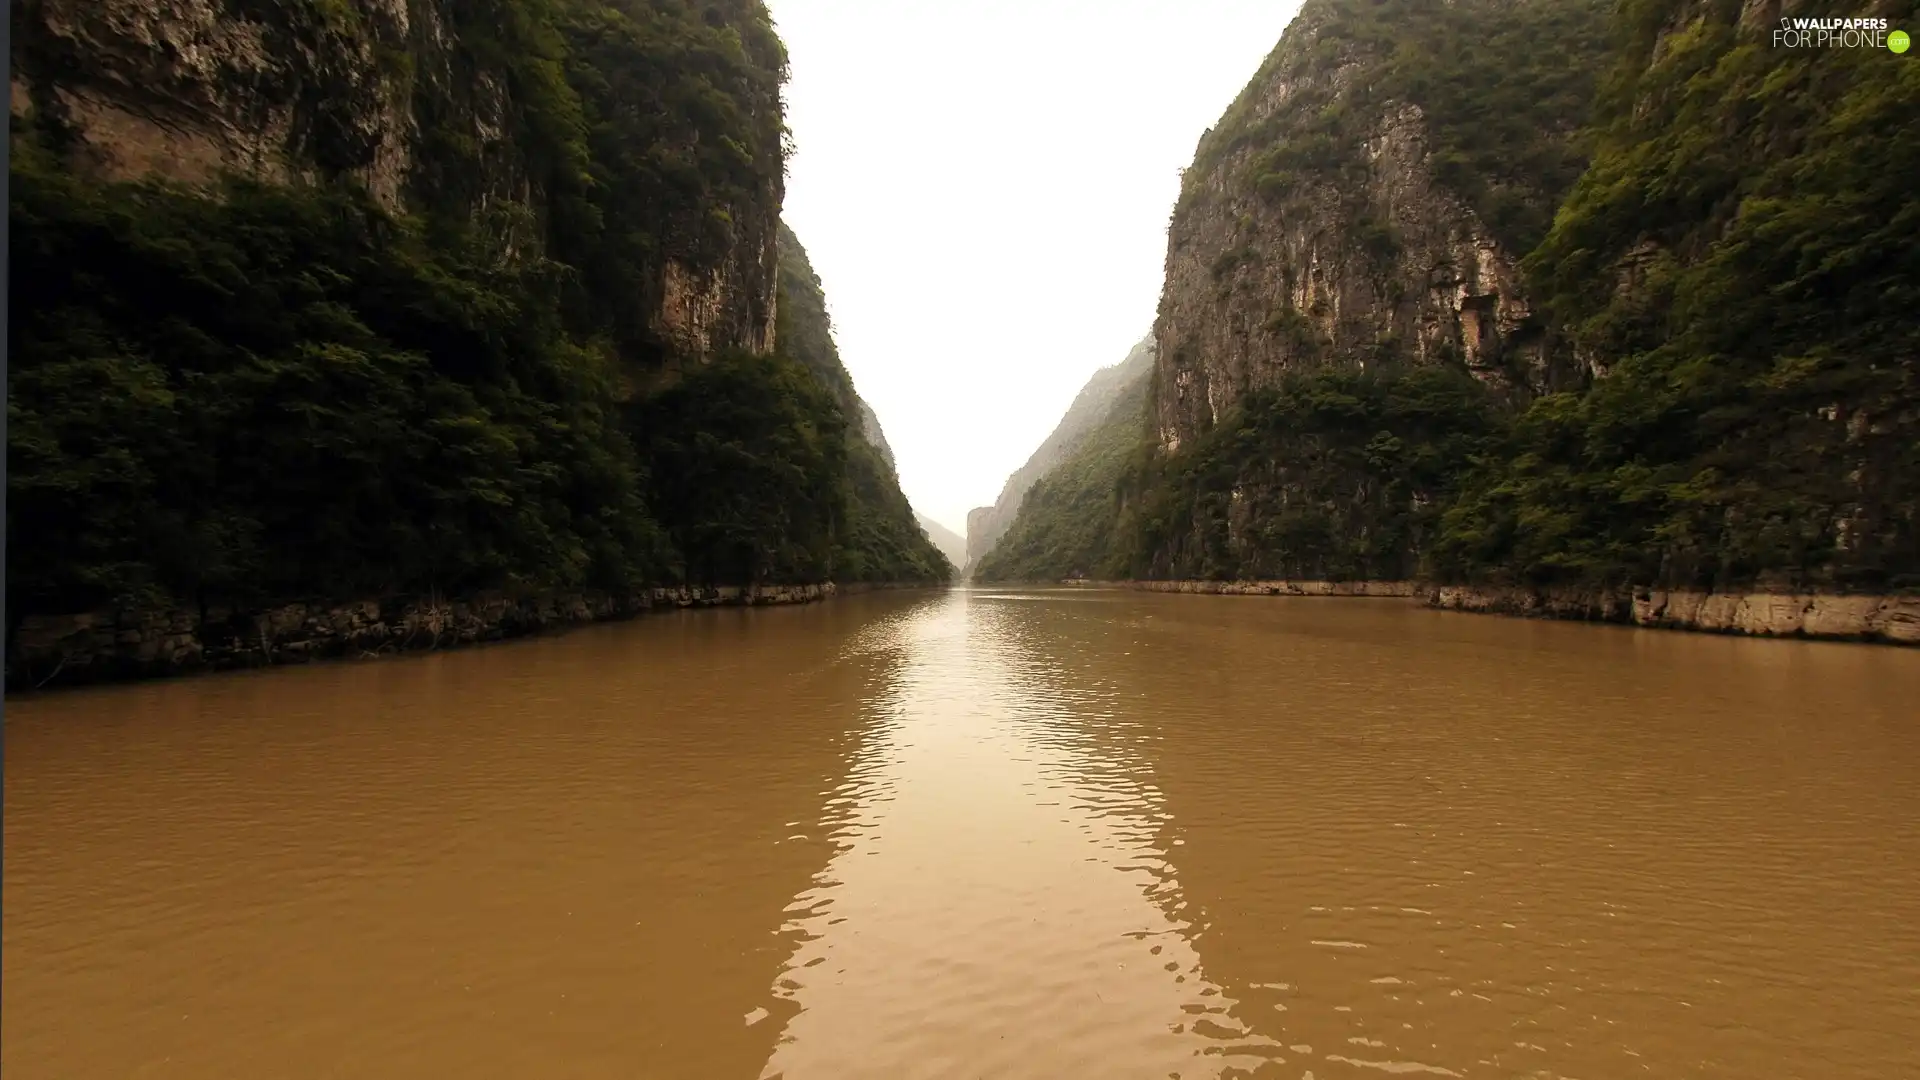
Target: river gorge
982,832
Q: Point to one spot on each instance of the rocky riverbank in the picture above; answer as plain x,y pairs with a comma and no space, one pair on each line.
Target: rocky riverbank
1888,619
1835,616
67,650
1269,588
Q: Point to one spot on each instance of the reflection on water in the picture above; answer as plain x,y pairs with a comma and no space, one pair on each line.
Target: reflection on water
551,858
1031,833
998,903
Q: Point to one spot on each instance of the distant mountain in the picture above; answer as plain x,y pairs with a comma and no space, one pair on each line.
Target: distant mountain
950,543
1071,522
986,525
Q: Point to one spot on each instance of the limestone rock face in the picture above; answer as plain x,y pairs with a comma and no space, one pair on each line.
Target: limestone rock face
188,89
704,312
987,524
374,90
1251,293
870,430
1294,249
1889,619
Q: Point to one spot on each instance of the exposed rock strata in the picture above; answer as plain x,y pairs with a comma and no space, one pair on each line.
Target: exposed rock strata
1893,620
1269,588
372,90
105,646
1253,292
1888,619
188,89
1318,226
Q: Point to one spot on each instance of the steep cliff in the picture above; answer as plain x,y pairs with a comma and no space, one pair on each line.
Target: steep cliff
1071,523
1739,262
364,298
637,140
1366,200
879,537
1344,313
987,524
1406,332
870,430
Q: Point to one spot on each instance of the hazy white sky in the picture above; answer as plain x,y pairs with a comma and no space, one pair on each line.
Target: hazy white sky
984,187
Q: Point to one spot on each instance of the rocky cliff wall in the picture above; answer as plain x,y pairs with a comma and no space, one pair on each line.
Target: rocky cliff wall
1345,326
1352,208
454,108
188,89
1254,291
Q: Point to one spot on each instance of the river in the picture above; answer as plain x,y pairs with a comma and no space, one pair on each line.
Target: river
1046,833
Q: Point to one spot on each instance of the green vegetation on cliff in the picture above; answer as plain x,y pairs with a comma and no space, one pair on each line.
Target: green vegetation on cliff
680,134
1740,261
257,391
1733,275
1065,527
1330,476
1503,90
879,538
284,391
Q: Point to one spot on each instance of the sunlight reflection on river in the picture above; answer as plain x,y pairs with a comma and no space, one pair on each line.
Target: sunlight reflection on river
999,903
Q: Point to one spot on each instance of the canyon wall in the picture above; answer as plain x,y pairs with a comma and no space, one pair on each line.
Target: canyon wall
452,108
1089,410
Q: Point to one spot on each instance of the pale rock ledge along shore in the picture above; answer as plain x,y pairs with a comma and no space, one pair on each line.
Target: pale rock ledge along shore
1889,619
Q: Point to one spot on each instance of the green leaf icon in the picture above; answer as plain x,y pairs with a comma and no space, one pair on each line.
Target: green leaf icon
1898,41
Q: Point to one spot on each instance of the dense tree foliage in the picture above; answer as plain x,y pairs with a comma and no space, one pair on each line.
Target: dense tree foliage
748,458
278,391
680,134
1739,263
265,391
1735,269
1503,90
1333,475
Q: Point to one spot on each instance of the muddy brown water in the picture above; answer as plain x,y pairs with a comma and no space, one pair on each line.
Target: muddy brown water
1051,833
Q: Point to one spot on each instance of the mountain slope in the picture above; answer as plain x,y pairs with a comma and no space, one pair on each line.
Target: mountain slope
1071,521
1384,353
879,538
346,300
1367,199
1344,316
987,524
950,543
1739,262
